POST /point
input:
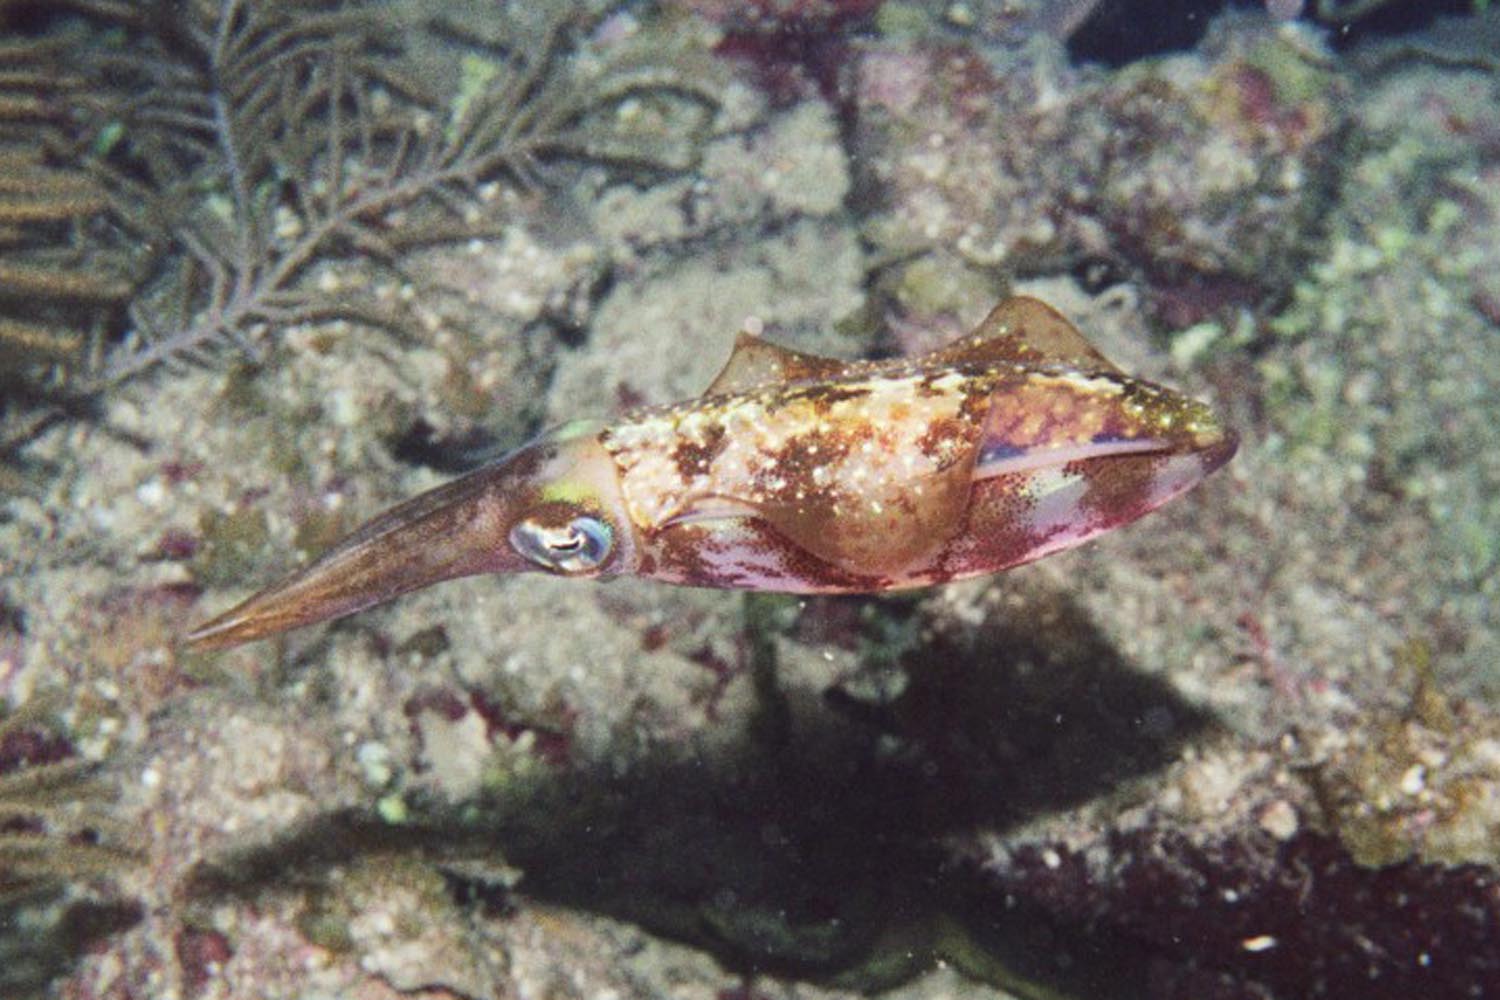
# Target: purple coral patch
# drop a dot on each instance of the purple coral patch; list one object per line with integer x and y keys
{"x": 27, "y": 746}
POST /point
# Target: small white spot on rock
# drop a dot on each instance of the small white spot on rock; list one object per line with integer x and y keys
{"x": 152, "y": 492}
{"x": 1279, "y": 819}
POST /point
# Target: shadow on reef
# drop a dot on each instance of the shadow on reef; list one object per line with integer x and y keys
{"x": 817, "y": 850}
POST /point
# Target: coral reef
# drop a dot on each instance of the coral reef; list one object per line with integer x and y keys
{"x": 1203, "y": 178}
{"x": 1395, "y": 409}
{"x": 1246, "y": 749}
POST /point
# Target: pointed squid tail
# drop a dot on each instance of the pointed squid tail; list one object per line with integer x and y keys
{"x": 456, "y": 530}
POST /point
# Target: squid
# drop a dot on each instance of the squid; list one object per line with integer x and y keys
{"x": 798, "y": 473}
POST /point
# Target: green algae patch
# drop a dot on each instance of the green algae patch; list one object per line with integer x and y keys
{"x": 1419, "y": 784}
{"x": 235, "y": 545}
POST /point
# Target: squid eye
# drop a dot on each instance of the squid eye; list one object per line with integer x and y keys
{"x": 576, "y": 547}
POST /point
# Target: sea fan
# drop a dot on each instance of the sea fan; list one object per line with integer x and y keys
{"x": 55, "y": 856}
{"x": 290, "y": 134}
{"x": 46, "y": 837}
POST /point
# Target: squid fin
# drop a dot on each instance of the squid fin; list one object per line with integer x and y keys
{"x": 756, "y": 362}
{"x": 1023, "y": 330}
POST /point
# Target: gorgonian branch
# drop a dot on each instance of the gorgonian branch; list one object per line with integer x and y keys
{"x": 324, "y": 128}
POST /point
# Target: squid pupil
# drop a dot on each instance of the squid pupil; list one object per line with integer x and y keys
{"x": 588, "y": 537}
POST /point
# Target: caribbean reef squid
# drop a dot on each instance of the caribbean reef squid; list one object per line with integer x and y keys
{"x": 798, "y": 473}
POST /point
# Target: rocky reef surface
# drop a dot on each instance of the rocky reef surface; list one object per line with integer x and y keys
{"x": 1247, "y": 748}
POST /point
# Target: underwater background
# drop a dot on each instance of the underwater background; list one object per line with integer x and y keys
{"x": 267, "y": 268}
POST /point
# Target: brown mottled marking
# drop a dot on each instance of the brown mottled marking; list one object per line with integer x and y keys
{"x": 812, "y": 450}
{"x": 1116, "y": 486}
{"x": 682, "y": 555}
{"x": 942, "y": 436}
{"x": 797, "y": 562}
{"x": 695, "y": 458}
{"x": 823, "y": 397}
{"x": 1044, "y": 413}
{"x": 927, "y": 385}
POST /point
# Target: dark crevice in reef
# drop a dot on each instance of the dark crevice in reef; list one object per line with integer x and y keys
{"x": 1117, "y": 32}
